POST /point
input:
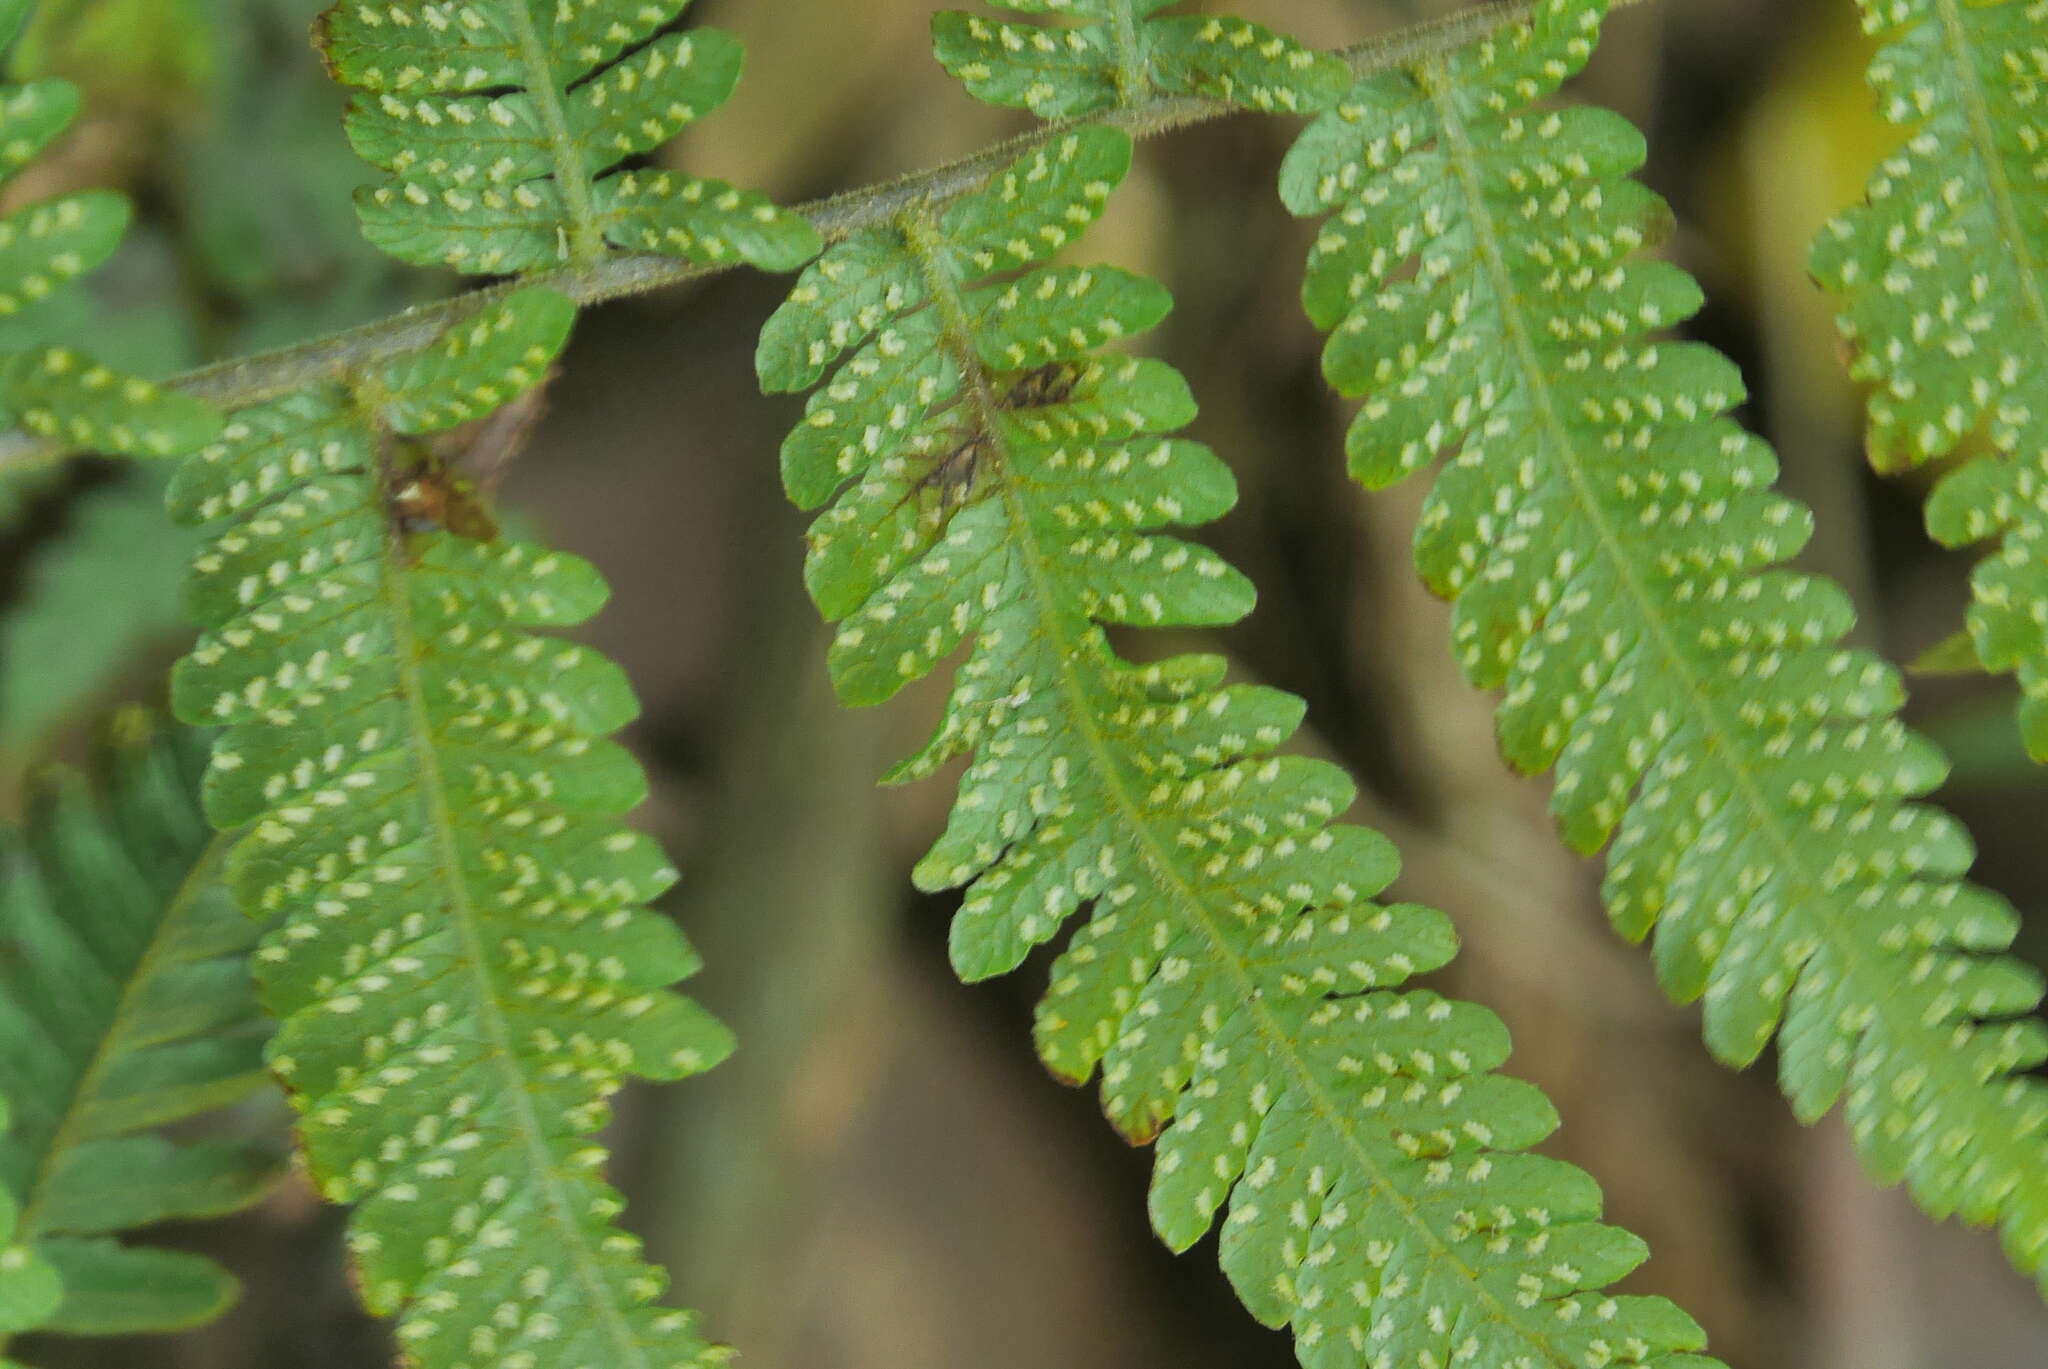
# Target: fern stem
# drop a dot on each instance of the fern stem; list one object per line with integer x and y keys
{"x": 269, "y": 375}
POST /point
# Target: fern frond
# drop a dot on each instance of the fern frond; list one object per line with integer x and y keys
{"x": 1001, "y": 484}
{"x": 465, "y": 968}
{"x": 1122, "y": 51}
{"x": 55, "y": 392}
{"x": 1610, "y": 539}
{"x": 1943, "y": 279}
{"x": 125, "y": 1005}
{"x": 1943, "y": 271}
{"x": 502, "y": 122}
{"x": 29, "y": 1290}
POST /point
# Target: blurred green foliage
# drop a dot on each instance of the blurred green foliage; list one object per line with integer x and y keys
{"x": 213, "y": 113}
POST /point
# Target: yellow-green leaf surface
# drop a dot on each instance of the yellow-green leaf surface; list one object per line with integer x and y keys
{"x": 999, "y": 486}
{"x": 464, "y": 966}
{"x": 1613, "y": 547}
{"x": 503, "y": 127}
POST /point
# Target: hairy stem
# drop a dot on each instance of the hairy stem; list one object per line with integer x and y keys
{"x": 267, "y": 375}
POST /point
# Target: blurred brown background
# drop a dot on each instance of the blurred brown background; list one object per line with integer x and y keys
{"x": 883, "y": 1178}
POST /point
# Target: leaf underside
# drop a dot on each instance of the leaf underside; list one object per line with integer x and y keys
{"x": 1612, "y": 545}
{"x": 464, "y": 965}
{"x": 504, "y": 124}
{"x": 998, "y": 483}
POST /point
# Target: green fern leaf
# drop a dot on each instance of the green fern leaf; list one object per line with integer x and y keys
{"x": 60, "y": 394}
{"x": 1609, "y": 538}
{"x": 1122, "y": 51}
{"x": 1002, "y": 484}
{"x": 29, "y": 1290}
{"x": 465, "y": 968}
{"x": 500, "y": 123}
{"x": 46, "y": 246}
{"x": 1943, "y": 272}
{"x": 128, "y": 1006}
{"x": 1943, "y": 280}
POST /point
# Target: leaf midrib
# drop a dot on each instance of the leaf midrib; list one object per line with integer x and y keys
{"x": 106, "y": 1049}
{"x": 513, "y": 1086}
{"x": 1132, "y": 80}
{"x": 572, "y": 174}
{"x": 958, "y": 329}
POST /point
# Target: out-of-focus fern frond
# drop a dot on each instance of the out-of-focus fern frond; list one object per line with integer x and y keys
{"x": 125, "y": 1004}
{"x": 1943, "y": 271}
{"x": 55, "y": 392}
